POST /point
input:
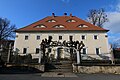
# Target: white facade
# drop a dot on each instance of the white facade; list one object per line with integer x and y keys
{"x": 95, "y": 41}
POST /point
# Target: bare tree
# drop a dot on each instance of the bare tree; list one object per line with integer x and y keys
{"x": 116, "y": 44}
{"x": 97, "y": 17}
{"x": 6, "y": 29}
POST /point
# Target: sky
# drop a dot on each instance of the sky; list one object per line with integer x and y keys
{"x": 24, "y": 12}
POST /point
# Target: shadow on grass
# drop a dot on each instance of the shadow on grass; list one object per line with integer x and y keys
{"x": 19, "y": 70}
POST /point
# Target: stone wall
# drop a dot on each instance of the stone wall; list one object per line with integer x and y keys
{"x": 37, "y": 66}
{"x": 96, "y": 69}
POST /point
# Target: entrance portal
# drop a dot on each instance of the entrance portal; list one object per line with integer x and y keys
{"x": 60, "y": 54}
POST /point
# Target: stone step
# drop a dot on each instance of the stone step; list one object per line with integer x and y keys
{"x": 60, "y": 70}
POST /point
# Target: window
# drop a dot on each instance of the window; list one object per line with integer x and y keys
{"x": 24, "y": 50}
{"x": 97, "y": 51}
{"x": 84, "y": 51}
{"x": 49, "y": 37}
{"x": 26, "y": 37}
{"x": 37, "y": 50}
{"x": 95, "y": 37}
{"x": 60, "y": 37}
{"x": 71, "y": 38}
{"x": 83, "y": 37}
{"x": 38, "y": 37}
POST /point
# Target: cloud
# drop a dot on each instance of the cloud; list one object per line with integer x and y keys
{"x": 114, "y": 22}
{"x": 114, "y": 19}
{"x": 65, "y": 1}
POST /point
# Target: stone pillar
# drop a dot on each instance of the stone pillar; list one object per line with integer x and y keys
{"x": 78, "y": 57}
{"x": 9, "y": 51}
{"x": 40, "y": 56}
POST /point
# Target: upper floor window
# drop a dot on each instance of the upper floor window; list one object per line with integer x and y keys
{"x": 52, "y": 20}
{"x": 26, "y": 37}
{"x": 24, "y": 50}
{"x": 82, "y": 26}
{"x": 58, "y": 26}
{"x": 50, "y": 37}
{"x": 71, "y": 37}
{"x": 71, "y": 20}
{"x": 83, "y": 37}
{"x": 95, "y": 37}
{"x": 97, "y": 51}
{"x": 60, "y": 37}
{"x": 38, "y": 37}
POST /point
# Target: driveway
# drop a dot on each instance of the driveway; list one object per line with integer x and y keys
{"x": 37, "y": 76}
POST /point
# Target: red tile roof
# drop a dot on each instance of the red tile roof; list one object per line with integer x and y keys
{"x": 118, "y": 49}
{"x": 61, "y": 20}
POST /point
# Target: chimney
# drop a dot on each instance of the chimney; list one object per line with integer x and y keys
{"x": 53, "y": 14}
{"x": 70, "y": 15}
{"x": 65, "y": 14}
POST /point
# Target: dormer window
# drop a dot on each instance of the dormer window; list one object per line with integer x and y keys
{"x": 52, "y": 20}
{"x": 71, "y": 20}
{"x": 82, "y": 26}
{"x": 40, "y": 26}
{"x": 58, "y": 26}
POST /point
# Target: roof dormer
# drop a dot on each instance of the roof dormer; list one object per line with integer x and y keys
{"x": 52, "y": 20}
{"x": 58, "y": 26}
{"x": 71, "y": 20}
{"x": 40, "y": 26}
{"x": 82, "y": 26}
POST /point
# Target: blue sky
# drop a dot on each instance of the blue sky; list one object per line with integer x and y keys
{"x": 24, "y": 12}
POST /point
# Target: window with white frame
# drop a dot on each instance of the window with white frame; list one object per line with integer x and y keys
{"x": 24, "y": 50}
{"x": 84, "y": 51}
{"x": 83, "y": 37}
{"x": 60, "y": 37}
{"x": 95, "y": 37}
{"x": 37, "y": 50}
{"x": 97, "y": 51}
{"x": 71, "y": 37}
{"x": 26, "y": 37}
{"x": 38, "y": 37}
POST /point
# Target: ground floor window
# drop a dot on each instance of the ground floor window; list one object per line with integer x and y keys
{"x": 84, "y": 51}
{"x": 24, "y": 50}
{"x": 97, "y": 51}
{"x": 37, "y": 50}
